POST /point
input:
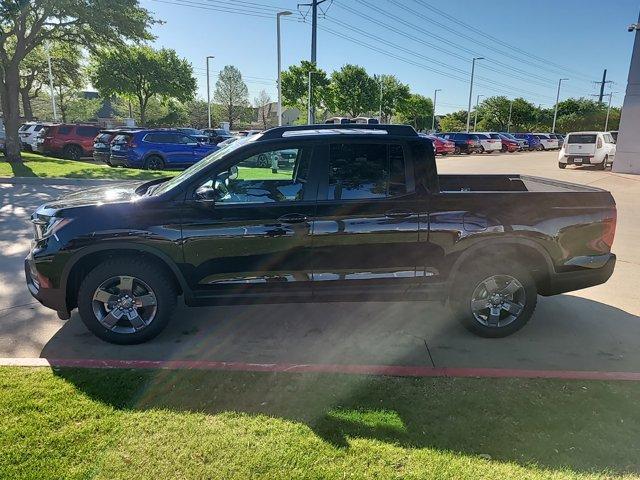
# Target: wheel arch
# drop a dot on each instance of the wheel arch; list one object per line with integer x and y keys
{"x": 87, "y": 259}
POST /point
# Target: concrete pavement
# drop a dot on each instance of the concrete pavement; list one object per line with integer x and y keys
{"x": 593, "y": 329}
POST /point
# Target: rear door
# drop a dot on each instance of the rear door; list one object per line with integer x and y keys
{"x": 578, "y": 144}
{"x": 365, "y": 236}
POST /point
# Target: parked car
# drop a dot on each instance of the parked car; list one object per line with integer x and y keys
{"x": 490, "y": 142}
{"x": 362, "y": 216}
{"x": 228, "y": 141}
{"x": 523, "y": 143}
{"x": 547, "y": 142}
{"x": 441, "y": 146}
{"x": 558, "y": 137}
{"x": 28, "y": 133}
{"x": 533, "y": 140}
{"x": 509, "y": 145}
{"x": 102, "y": 143}
{"x": 248, "y": 133}
{"x": 464, "y": 142}
{"x": 69, "y": 140}
{"x": 587, "y": 148}
{"x": 157, "y": 149}
{"x": 199, "y": 135}
{"x": 217, "y": 135}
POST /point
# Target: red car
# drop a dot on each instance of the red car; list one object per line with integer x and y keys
{"x": 442, "y": 146}
{"x": 508, "y": 144}
{"x": 69, "y": 140}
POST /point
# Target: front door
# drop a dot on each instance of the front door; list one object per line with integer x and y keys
{"x": 365, "y": 235}
{"x": 255, "y": 237}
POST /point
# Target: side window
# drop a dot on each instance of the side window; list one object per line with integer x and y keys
{"x": 184, "y": 139}
{"x": 87, "y": 131}
{"x": 268, "y": 177}
{"x": 64, "y": 129}
{"x": 365, "y": 171}
{"x": 153, "y": 138}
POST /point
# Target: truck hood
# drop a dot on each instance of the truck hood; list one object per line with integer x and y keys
{"x": 104, "y": 195}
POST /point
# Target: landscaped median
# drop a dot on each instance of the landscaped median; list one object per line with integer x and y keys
{"x": 140, "y": 424}
{"x": 34, "y": 165}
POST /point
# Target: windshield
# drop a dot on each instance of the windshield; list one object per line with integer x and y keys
{"x": 202, "y": 164}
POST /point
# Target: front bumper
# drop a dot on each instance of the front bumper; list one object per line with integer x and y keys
{"x": 40, "y": 288}
{"x": 595, "y": 270}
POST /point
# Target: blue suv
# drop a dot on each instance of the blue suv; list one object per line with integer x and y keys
{"x": 534, "y": 140}
{"x": 157, "y": 149}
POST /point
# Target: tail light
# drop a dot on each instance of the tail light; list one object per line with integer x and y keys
{"x": 609, "y": 228}
{"x": 599, "y": 143}
{"x": 471, "y": 142}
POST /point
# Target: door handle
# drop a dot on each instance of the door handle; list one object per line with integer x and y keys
{"x": 398, "y": 214}
{"x": 293, "y": 218}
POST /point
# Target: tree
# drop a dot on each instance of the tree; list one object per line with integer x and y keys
{"x": 263, "y": 105}
{"x": 25, "y": 25}
{"x": 232, "y": 93}
{"x": 197, "y": 112}
{"x": 295, "y": 86}
{"x": 141, "y": 73}
{"x": 417, "y": 110}
{"x": 454, "y": 122}
{"x": 353, "y": 91}
{"x": 394, "y": 96}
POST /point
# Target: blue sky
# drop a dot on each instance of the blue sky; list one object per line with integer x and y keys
{"x": 528, "y": 45}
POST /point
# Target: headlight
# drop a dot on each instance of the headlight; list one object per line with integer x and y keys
{"x": 47, "y": 227}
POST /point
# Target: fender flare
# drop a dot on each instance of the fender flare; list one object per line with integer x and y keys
{"x": 163, "y": 257}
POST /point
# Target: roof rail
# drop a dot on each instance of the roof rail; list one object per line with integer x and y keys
{"x": 302, "y": 130}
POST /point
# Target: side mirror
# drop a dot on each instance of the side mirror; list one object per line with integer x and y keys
{"x": 233, "y": 173}
{"x": 207, "y": 192}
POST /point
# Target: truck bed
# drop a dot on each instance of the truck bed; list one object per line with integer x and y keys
{"x": 507, "y": 183}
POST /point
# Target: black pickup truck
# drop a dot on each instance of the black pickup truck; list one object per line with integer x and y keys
{"x": 359, "y": 213}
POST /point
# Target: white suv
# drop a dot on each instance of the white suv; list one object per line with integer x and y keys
{"x": 547, "y": 142}
{"x": 28, "y": 133}
{"x": 587, "y": 148}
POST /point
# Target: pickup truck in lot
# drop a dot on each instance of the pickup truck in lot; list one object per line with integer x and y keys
{"x": 360, "y": 214}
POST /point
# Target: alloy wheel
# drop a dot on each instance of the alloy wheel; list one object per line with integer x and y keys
{"x": 498, "y": 301}
{"x": 124, "y": 304}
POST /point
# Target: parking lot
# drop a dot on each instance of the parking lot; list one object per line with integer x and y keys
{"x": 594, "y": 329}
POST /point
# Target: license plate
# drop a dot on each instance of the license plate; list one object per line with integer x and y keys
{"x": 99, "y": 145}
{"x": 116, "y": 147}
{"x": 577, "y": 161}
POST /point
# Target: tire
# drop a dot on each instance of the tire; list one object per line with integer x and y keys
{"x": 603, "y": 165}
{"x": 72, "y": 152}
{"x": 151, "y": 284}
{"x": 456, "y": 150}
{"x": 482, "y": 150}
{"x": 263, "y": 161}
{"x": 540, "y": 147}
{"x": 562, "y": 165}
{"x": 154, "y": 162}
{"x": 472, "y": 288}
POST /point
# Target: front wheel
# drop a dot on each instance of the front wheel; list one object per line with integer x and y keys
{"x": 126, "y": 300}
{"x": 494, "y": 300}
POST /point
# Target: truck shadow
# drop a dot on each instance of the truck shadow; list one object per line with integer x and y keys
{"x": 551, "y": 423}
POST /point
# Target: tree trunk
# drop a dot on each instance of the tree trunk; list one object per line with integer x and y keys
{"x": 143, "y": 111}
{"x": 10, "y": 85}
{"x": 230, "y": 112}
{"x": 26, "y": 104}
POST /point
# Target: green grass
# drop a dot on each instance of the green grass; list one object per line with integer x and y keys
{"x": 124, "y": 424}
{"x": 34, "y": 165}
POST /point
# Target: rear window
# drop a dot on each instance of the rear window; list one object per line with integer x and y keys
{"x": 38, "y": 128}
{"x": 104, "y": 137}
{"x": 121, "y": 138}
{"x": 582, "y": 138}
{"x": 24, "y": 128}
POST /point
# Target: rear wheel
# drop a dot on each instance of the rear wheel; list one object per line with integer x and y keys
{"x": 603, "y": 165}
{"x": 456, "y": 150}
{"x": 126, "y": 300}
{"x": 263, "y": 161}
{"x": 494, "y": 300}
{"x": 72, "y": 152}
{"x": 562, "y": 165}
{"x": 154, "y": 162}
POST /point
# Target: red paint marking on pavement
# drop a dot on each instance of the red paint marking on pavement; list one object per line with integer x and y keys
{"x": 392, "y": 370}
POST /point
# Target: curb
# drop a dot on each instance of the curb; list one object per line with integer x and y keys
{"x": 386, "y": 370}
{"x": 61, "y": 181}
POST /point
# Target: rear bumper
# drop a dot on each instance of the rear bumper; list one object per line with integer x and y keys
{"x": 584, "y": 160}
{"x": 585, "y": 277}
{"x": 101, "y": 156}
{"x": 123, "y": 161}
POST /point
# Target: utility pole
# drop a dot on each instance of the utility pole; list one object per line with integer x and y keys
{"x": 309, "y": 108}
{"x": 602, "y": 83}
{"x": 278, "y": 15}
{"x": 53, "y": 92}
{"x": 555, "y": 112}
{"x": 380, "y": 115}
{"x": 509, "y": 121}
{"x": 433, "y": 117}
{"x": 475, "y": 120}
{"x": 473, "y": 68}
{"x": 314, "y": 42}
{"x": 606, "y": 122}
{"x": 208, "y": 93}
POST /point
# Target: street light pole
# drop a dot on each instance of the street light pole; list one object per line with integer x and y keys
{"x": 278, "y": 15}
{"x": 53, "y": 92}
{"x": 309, "y": 112}
{"x": 509, "y": 121}
{"x": 433, "y": 117}
{"x": 475, "y": 120}
{"x": 380, "y": 113}
{"x": 606, "y": 122}
{"x": 473, "y": 68}
{"x": 555, "y": 112}
{"x": 208, "y": 93}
